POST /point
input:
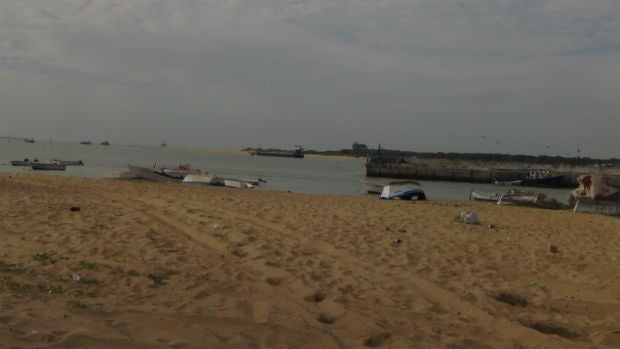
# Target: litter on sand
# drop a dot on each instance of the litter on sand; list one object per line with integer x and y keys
{"x": 470, "y": 217}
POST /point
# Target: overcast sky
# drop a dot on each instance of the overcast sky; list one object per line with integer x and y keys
{"x": 538, "y": 77}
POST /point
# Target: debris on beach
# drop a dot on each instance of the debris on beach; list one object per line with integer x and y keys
{"x": 470, "y": 217}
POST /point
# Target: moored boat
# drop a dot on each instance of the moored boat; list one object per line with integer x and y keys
{"x": 70, "y": 162}
{"x": 535, "y": 178}
{"x": 48, "y": 166}
{"x": 528, "y": 198}
{"x": 24, "y": 162}
{"x": 405, "y": 190}
{"x": 514, "y": 182}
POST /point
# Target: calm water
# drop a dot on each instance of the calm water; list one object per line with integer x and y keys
{"x": 309, "y": 175}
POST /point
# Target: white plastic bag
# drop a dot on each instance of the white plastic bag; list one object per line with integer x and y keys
{"x": 470, "y": 217}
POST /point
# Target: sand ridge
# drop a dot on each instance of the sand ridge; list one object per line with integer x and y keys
{"x": 144, "y": 264}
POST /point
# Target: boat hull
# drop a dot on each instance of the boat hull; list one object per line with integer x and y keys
{"x": 406, "y": 190}
{"x": 483, "y": 196}
{"x": 201, "y": 179}
{"x": 150, "y": 174}
{"x": 42, "y": 166}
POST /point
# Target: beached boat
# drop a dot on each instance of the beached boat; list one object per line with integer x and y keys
{"x": 203, "y": 179}
{"x": 594, "y": 196}
{"x": 180, "y": 171}
{"x": 372, "y": 188}
{"x": 526, "y": 198}
{"x": 593, "y": 188}
{"x": 405, "y": 190}
{"x": 298, "y": 152}
{"x": 152, "y": 175}
{"x": 213, "y": 180}
{"x": 48, "y": 166}
{"x": 477, "y": 195}
{"x": 235, "y": 183}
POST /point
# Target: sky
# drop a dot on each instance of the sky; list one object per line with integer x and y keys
{"x": 535, "y": 77}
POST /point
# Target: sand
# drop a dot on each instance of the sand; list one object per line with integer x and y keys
{"x": 108, "y": 263}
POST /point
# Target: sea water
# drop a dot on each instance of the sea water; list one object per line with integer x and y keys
{"x": 312, "y": 174}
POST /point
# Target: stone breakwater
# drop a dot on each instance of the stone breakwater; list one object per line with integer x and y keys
{"x": 478, "y": 175}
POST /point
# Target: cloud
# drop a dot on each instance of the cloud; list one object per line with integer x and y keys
{"x": 321, "y": 73}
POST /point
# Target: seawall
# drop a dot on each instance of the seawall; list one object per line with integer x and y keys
{"x": 466, "y": 175}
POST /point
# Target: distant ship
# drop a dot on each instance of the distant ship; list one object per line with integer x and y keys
{"x": 298, "y": 152}
{"x": 29, "y": 140}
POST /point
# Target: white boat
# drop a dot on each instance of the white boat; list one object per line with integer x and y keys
{"x": 372, "y": 188}
{"x": 518, "y": 197}
{"x": 593, "y": 188}
{"x": 70, "y": 162}
{"x": 150, "y": 174}
{"x": 405, "y": 190}
{"x": 180, "y": 171}
{"x": 483, "y": 196}
{"x": 213, "y": 180}
{"x": 48, "y": 166}
{"x": 515, "y": 182}
{"x": 203, "y": 179}
{"x": 235, "y": 183}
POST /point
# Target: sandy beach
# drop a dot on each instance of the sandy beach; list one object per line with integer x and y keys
{"x": 108, "y": 263}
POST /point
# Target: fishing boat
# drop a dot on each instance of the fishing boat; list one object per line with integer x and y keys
{"x": 48, "y": 166}
{"x": 542, "y": 178}
{"x": 203, "y": 179}
{"x": 535, "y": 178}
{"x": 405, "y": 190}
{"x": 24, "y": 162}
{"x": 235, "y": 183}
{"x": 513, "y": 182}
{"x": 213, "y": 180}
{"x": 180, "y": 171}
{"x": 593, "y": 188}
{"x": 152, "y": 175}
{"x": 70, "y": 162}
{"x": 483, "y": 196}
{"x": 527, "y": 198}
